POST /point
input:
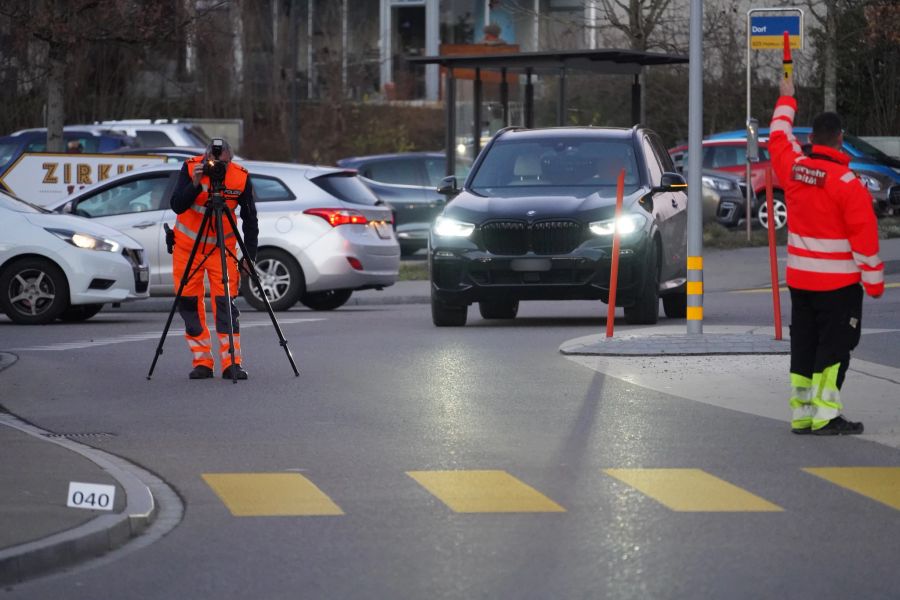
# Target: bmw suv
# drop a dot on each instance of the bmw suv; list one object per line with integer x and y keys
{"x": 534, "y": 220}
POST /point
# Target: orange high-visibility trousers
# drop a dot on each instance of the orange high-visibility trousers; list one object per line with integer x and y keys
{"x": 192, "y": 305}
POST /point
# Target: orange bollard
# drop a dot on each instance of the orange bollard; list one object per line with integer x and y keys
{"x": 614, "y": 266}
{"x": 773, "y": 261}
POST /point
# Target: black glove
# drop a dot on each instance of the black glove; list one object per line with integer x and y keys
{"x": 170, "y": 238}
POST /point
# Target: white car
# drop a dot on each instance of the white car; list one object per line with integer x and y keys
{"x": 322, "y": 232}
{"x": 55, "y": 266}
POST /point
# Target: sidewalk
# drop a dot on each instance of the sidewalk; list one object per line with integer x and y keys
{"x": 39, "y": 534}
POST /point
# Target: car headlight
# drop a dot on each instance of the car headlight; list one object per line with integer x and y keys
{"x": 445, "y": 227}
{"x": 86, "y": 240}
{"x": 627, "y": 225}
{"x": 872, "y": 183}
{"x": 718, "y": 183}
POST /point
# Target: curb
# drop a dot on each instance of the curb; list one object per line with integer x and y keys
{"x": 94, "y": 538}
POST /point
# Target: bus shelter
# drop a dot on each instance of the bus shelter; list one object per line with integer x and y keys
{"x": 507, "y": 67}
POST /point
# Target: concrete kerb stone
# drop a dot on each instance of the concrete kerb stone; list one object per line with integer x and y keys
{"x": 669, "y": 341}
{"x": 97, "y": 536}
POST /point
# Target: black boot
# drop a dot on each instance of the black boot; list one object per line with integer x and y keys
{"x": 201, "y": 372}
{"x": 839, "y": 426}
{"x": 239, "y": 372}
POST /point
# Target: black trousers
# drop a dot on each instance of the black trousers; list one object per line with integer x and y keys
{"x": 825, "y": 327}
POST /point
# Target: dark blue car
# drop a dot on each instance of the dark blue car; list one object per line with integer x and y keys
{"x": 408, "y": 181}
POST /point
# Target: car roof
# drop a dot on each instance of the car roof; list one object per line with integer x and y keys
{"x": 587, "y": 132}
{"x": 392, "y": 155}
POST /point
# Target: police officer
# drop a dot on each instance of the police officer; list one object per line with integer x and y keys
{"x": 832, "y": 248}
{"x": 189, "y": 203}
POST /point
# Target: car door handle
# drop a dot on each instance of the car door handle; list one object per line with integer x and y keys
{"x": 144, "y": 225}
{"x": 674, "y": 203}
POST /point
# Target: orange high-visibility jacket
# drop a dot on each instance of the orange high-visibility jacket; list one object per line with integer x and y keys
{"x": 832, "y": 229}
{"x": 187, "y": 224}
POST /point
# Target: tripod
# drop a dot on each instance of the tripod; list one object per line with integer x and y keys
{"x": 216, "y": 210}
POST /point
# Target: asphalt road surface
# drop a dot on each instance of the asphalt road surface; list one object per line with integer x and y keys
{"x": 408, "y": 461}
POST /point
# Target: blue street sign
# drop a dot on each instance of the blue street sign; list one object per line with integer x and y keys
{"x": 767, "y": 33}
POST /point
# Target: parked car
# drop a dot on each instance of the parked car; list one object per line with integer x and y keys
{"x": 730, "y": 156}
{"x": 65, "y": 267}
{"x": 408, "y": 181}
{"x": 153, "y": 134}
{"x": 535, "y": 217}
{"x": 875, "y": 169}
{"x": 173, "y": 154}
{"x": 322, "y": 233}
{"x": 725, "y": 198}
{"x": 35, "y": 140}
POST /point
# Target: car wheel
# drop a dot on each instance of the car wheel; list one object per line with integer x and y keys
{"x": 81, "y": 312}
{"x": 645, "y": 310}
{"x": 327, "y": 300}
{"x": 281, "y": 278}
{"x": 33, "y": 291}
{"x": 675, "y": 305}
{"x": 499, "y": 309}
{"x": 443, "y": 315}
{"x": 778, "y": 206}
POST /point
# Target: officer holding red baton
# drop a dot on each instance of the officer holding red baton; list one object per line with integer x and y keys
{"x": 832, "y": 259}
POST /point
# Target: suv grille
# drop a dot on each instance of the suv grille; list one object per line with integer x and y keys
{"x": 542, "y": 237}
{"x": 894, "y": 195}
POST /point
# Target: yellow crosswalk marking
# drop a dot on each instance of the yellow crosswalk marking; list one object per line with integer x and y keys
{"x": 692, "y": 490}
{"x": 484, "y": 492}
{"x": 270, "y": 494}
{"x": 878, "y": 483}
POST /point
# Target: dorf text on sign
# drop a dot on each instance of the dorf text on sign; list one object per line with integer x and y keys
{"x": 767, "y": 33}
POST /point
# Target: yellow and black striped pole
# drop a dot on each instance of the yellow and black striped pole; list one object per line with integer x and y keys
{"x": 694, "y": 290}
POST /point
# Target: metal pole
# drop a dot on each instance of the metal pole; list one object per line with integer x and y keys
{"x": 561, "y": 107}
{"x": 294, "y": 136}
{"x": 749, "y": 192}
{"x": 476, "y": 115}
{"x": 695, "y": 189}
{"x": 450, "y": 107}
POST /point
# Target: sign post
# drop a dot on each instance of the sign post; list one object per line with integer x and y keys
{"x": 767, "y": 32}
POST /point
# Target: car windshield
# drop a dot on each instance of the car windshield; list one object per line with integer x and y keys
{"x": 18, "y": 205}
{"x": 7, "y": 152}
{"x": 866, "y": 148}
{"x": 556, "y": 167}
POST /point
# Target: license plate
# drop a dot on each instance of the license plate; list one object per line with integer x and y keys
{"x": 530, "y": 264}
{"x": 384, "y": 230}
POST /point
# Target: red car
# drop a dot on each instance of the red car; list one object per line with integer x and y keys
{"x": 731, "y": 156}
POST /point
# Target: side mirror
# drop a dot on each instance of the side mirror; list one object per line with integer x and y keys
{"x": 448, "y": 186}
{"x": 752, "y": 140}
{"x": 670, "y": 182}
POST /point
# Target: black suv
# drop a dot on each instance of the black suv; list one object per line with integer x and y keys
{"x": 535, "y": 217}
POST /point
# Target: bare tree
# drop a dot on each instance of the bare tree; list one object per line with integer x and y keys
{"x": 65, "y": 29}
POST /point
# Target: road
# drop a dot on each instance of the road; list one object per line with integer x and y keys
{"x": 392, "y": 420}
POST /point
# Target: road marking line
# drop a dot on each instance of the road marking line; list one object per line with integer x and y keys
{"x": 881, "y": 484}
{"x": 138, "y": 337}
{"x": 486, "y": 491}
{"x": 270, "y": 495}
{"x": 692, "y": 490}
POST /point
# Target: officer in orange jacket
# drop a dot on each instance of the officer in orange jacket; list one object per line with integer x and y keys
{"x": 832, "y": 248}
{"x": 189, "y": 203}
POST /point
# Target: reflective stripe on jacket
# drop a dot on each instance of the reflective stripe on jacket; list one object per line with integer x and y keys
{"x": 832, "y": 229}
{"x": 187, "y": 224}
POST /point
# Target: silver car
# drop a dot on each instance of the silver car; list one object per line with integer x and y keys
{"x": 322, "y": 233}
{"x": 56, "y": 266}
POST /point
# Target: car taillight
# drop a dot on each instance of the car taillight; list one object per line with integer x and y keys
{"x": 338, "y": 216}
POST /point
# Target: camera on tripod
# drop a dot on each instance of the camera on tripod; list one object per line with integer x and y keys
{"x": 215, "y": 167}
